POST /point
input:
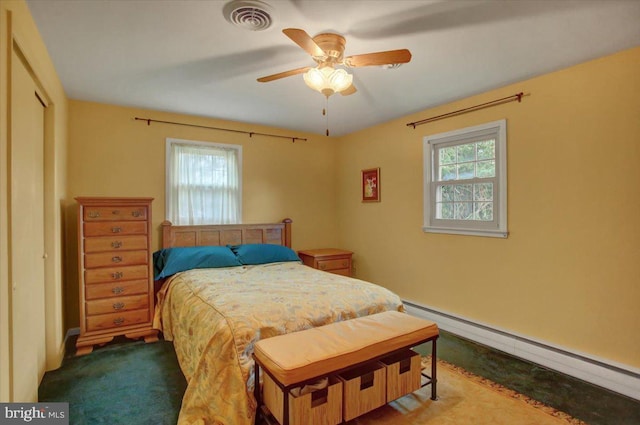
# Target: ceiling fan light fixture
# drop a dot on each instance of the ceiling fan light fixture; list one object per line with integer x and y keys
{"x": 328, "y": 80}
{"x": 253, "y": 15}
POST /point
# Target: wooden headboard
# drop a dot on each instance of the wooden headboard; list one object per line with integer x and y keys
{"x": 226, "y": 234}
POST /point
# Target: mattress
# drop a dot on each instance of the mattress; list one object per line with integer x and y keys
{"x": 215, "y": 316}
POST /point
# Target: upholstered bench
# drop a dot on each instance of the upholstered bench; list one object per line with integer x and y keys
{"x": 298, "y": 358}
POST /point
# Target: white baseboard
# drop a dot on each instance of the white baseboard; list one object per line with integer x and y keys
{"x": 619, "y": 378}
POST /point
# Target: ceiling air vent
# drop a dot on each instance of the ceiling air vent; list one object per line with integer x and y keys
{"x": 253, "y": 15}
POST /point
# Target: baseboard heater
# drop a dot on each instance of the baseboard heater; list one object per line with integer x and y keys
{"x": 619, "y": 378}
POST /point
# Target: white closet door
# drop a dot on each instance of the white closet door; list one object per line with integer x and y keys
{"x": 27, "y": 303}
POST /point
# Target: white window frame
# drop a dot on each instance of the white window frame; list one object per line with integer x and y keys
{"x": 169, "y": 170}
{"x": 495, "y": 228}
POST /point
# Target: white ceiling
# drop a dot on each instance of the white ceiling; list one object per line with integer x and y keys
{"x": 183, "y": 56}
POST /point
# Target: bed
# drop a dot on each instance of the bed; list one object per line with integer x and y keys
{"x": 216, "y": 311}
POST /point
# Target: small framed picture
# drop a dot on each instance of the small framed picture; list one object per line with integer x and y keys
{"x": 371, "y": 185}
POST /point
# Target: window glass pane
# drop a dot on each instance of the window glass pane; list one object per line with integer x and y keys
{"x": 463, "y": 211}
{"x": 445, "y": 193}
{"x": 483, "y": 192}
{"x": 487, "y": 149}
{"x": 462, "y": 192}
{"x": 467, "y": 152}
{"x": 204, "y": 185}
{"x": 466, "y": 171}
{"x": 483, "y": 211}
{"x": 486, "y": 169}
{"x": 447, "y": 172}
{"x": 444, "y": 210}
{"x": 448, "y": 155}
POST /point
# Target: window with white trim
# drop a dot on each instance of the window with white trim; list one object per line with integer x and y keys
{"x": 204, "y": 182}
{"x": 465, "y": 181}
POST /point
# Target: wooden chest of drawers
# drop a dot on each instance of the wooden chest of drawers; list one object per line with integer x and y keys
{"x": 331, "y": 260}
{"x": 115, "y": 271}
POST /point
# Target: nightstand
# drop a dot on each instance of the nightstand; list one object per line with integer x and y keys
{"x": 330, "y": 260}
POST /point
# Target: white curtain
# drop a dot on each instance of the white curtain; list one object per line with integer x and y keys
{"x": 204, "y": 185}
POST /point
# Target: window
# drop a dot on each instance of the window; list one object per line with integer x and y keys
{"x": 465, "y": 181}
{"x": 204, "y": 184}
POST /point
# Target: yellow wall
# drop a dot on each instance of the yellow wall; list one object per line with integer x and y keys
{"x": 18, "y": 32}
{"x": 111, "y": 154}
{"x": 569, "y": 272}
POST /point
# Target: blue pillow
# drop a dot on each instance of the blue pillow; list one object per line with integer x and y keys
{"x": 263, "y": 253}
{"x": 169, "y": 261}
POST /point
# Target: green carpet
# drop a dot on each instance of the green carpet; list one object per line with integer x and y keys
{"x": 133, "y": 383}
{"x": 129, "y": 383}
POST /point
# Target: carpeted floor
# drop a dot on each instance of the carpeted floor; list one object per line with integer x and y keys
{"x": 590, "y": 403}
{"x": 126, "y": 383}
{"x": 135, "y": 383}
{"x": 464, "y": 398}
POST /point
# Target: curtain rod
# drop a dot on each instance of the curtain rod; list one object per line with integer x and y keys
{"x": 250, "y": 133}
{"x": 517, "y": 96}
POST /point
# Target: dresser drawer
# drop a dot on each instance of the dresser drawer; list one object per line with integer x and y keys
{"x": 111, "y": 274}
{"x": 112, "y": 305}
{"x": 121, "y": 243}
{"x": 116, "y": 320}
{"x": 114, "y": 213}
{"x": 106, "y": 228}
{"x": 119, "y": 258}
{"x": 116, "y": 289}
{"x": 342, "y": 272}
{"x": 330, "y": 265}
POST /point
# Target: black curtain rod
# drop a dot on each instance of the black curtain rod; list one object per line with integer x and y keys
{"x": 250, "y": 133}
{"x": 517, "y": 96}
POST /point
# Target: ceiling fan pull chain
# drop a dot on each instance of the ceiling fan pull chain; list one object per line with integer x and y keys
{"x": 325, "y": 112}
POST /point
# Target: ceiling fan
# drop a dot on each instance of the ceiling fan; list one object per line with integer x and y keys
{"x": 327, "y": 50}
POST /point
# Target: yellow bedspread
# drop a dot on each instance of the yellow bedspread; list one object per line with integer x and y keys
{"x": 214, "y": 316}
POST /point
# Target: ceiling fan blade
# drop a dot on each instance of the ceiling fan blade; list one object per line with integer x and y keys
{"x": 379, "y": 58}
{"x": 304, "y": 40}
{"x": 283, "y": 74}
{"x": 349, "y": 90}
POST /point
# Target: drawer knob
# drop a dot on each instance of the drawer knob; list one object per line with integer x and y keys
{"x": 116, "y": 229}
{"x": 118, "y": 290}
{"x": 115, "y": 212}
{"x": 116, "y": 259}
{"x": 94, "y": 214}
{"x": 118, "y": 306}
{"x": 345, "y": 263}
{"x": 117, "y": 275}
{"x": 323, "y": 266}
{"x": 136, "y": 213}
{"x": 116, "y": 244}
{"x": 118, "y": 321}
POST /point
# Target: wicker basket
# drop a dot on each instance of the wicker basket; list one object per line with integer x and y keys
{"x": 322, "y": 407}
{"x": 403, "y": 374}
{"x": 364, "y": 389}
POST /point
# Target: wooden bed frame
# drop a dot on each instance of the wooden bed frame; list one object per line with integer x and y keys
{"x": 226, "y": 234}
{"x": 223, "y": 234}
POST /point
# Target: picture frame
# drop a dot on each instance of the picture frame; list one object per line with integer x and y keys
{"x": 371, "y": 185}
